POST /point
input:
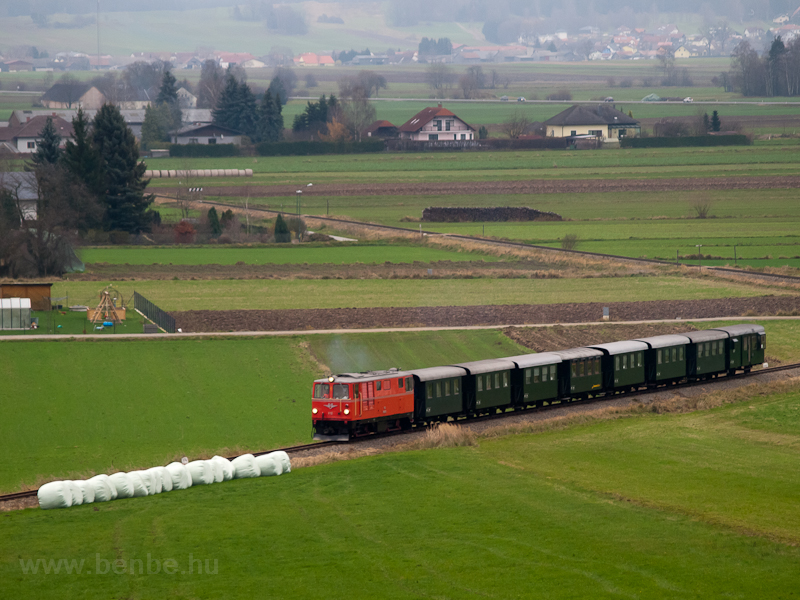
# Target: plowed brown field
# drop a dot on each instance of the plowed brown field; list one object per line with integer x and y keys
{"x": 533, "y": 186}
{"x": 456, "y": 316}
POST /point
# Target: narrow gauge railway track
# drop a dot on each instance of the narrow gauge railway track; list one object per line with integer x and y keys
{"x": 469, "y": 238}
{"x": 489, "y": 417}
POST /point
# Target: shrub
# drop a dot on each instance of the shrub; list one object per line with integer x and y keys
{"x": 701, "y": 207}
{"x": 569, "y": 241}
{"x": 184, "y": 233}
{"x": 560, "y": 95}
{"x": 675, "y": 142}
{"x": 301, "y": 148}
{"x": 281, "y": 232}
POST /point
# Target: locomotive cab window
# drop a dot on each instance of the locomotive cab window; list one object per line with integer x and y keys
{"x": 341, "y": 391}
{"x": 378, "y": 385}
{"x": 321, "y": 390}
{"x": 409, "y": 384}
{"x": 400, "y": 383}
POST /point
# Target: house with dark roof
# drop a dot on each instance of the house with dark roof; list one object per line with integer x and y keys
{"x": 207, "y": 134}
{"x": 24, "y": 137}
{"x": 599, "y": 120}
{"x": 73, "y": 95}
{"x": 381, "y": 129}
{"x": 434, "y": 124}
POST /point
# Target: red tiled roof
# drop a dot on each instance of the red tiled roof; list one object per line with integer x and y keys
{"x": 425, "y": 116}
{"x": 379, "y": 125}
{"x": 33, "y": 128}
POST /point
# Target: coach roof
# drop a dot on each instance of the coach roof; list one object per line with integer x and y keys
{"x": 433, "y": 373}
{"x": 620, "y": 347}
{"x": 524, "y": 361}
{"x": 665, "y": 341}
{"x": 487, "y": 366}
{"x": 742, "y": 329}
{"x": 576, "y": 353}
{"x": 709, "y": 335}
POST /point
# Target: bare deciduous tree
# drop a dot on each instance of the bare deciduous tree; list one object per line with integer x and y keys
{"x": 516, "y": 125}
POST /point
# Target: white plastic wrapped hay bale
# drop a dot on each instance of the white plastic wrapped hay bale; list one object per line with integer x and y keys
{"x": 218, "y": 470}
{"x": 181, "y": 477}
{"x": 56, "y": 494}
{"x": 87, "y": 491}
{"x": 202, "y": 472}
{"x": 283, "y": 459}
{"x": 104, "y": 489}
{"x": 149, "y": 481}
{"x": 77, "y": 493}
{"x": 245, "y": 466}
{"x": 164, "y": 476}
{"x": 268, "y": 465}
{"x": 227, "y": 468}
{"x": 123, "y": 484}
{"x": 139, "y": 486}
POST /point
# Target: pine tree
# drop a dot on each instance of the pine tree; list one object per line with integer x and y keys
{"x": 168, "y": 96}
{"x": 83, "y": 163}
{"x": 48, "y": 148}
{"x": 270, "y": 119}
{"x": 237, "y": 108}
{"x": 225, "y": 112}
{"x": 706, "y": 123}
{"x": 282, "y": 233}
{"x": 157, "y": 125}
{"x": 278, "y": 90}
{"x": 715, "y": 122}
{"x": 213, "y": 222}
{"x": 247, "y": 109}
{"x": 124, "y": 198}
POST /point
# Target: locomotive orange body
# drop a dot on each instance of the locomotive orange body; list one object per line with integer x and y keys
{"x": 353, "y": 404}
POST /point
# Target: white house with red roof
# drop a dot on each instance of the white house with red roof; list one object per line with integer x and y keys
{"x": 436, "y": 124}
{"x": 310, "y": 59}
{"x": 23, "y": 138}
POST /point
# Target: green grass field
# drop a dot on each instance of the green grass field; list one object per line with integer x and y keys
{"x": 688, "y": 506}
{"x": 74, "y": 323}
{"x": 361, "y": 293}
{"x": 206, "y": 255}
{"x": 107, "y": 406}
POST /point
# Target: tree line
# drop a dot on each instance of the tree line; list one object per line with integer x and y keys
{"x": 776, "y": 73}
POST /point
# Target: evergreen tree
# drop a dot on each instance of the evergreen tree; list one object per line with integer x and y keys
{"x": 715, "y": 122}
{"x": 124, "y": 198}
{"x": 83, "y": 163}
{"x": 706, "y": 123}
{"x": 247, "y": 111}
{"x": 168, "y": 96}
{"x": 48, "y": 148}
{"x": 278, "y": 90}
{"x": 282, "y": 233}
{"x": 158, "y": 122}
{"x": 213, "y": 222}
{"x": 237, "y": 108}
{"x": 225, "y": 112}
{"x": 270, "y": 119}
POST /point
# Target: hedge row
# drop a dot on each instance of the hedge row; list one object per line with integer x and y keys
{"x": 204, "y": 150}
{"x": 309, "y": 148}
{"x": 676, "y": 142}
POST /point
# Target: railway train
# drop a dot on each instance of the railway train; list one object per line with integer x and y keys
{"x": 348, "y": 405}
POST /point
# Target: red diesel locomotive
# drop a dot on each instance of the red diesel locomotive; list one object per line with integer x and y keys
{"x": 353, "y": 404}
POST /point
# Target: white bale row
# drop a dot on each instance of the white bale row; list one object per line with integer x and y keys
{"x": 175, "y": 476}
{"x": 180, "y": 173}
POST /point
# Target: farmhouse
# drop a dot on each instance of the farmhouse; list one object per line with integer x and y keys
{"x": 73, "y": 95}
{"x": 434, "y": 124}
{"x": 381, "y": 129}
{"x": 601, "y": 120}
{"x": 207, "y": 134}
{"x": 24, "y": 137}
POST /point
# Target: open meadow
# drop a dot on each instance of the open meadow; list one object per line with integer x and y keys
{"x": 636, "y": 503}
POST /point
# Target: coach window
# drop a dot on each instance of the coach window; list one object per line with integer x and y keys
{"x": 713, "y": 348}
{"x": 340, "y": 391}
{"x": 552, "y": 372}
{"x": 535, "y": 376}
{"x": 455, "y": 387}
{"x": 480, "y": 383}
{"x": 528, "y": 377}
{"x": 639, "y": 358}
{"x": 321, "y": 390}
{"x": 581, "y": 368}
{"x": 763, "y": 341}
{"x": 497, "y": 381}
{"x": 574, "y": 369}
{"x": 659, "y": 353}
{"x": 699, "y": 350}
{"x": 438, "y": 389}
{"x": 616, "y": 363}
{"x": 488, "y": 382}
{"x": 505, "y": 378}
{"x": 624, "y": 361}
{"x": 447, "y": 388}
{"x": 429, "y": 390}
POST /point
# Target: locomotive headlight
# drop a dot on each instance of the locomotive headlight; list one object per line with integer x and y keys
{"x": 347, "y": 411}
{"x": 314, "y": 411}
{"x": 331, "y": 378}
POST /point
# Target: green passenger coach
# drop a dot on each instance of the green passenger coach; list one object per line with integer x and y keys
{"x": 746, "y": 346}
{"x": 706, "y": 355}
{"x": 438, "y": 392}
{"x": 665, "y": 358}
{"x": 487, "y": 384}
{"x": 535, "y": 379}
{"x": 579, "y": 372}
{"x": 623, "y": 364}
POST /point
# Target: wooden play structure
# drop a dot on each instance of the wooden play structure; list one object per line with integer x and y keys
{"x": 107, "y": 310}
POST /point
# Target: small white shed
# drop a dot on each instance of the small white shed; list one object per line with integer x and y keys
{"x": 15, "y": 313}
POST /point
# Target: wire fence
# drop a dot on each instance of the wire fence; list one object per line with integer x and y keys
{"x": 152, "y": 312}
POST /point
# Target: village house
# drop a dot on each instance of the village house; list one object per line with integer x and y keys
{"x": 73, "y": 95}
{"x": 207, "y": 134}
{"x": 600, "y": 120}
{"x": 434, "y": 124}
{"x": 381, "y": 129}
{"x": 23, "y": 138}
{"x": 310, "y": 59}
{"x": 186, "y": 99}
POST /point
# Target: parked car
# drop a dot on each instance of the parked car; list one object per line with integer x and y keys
{"x": 608, "y": 99}
{"x": 521, "y": 99}
{"x": 688, "y": 99}
{"x": 503, "y": 98}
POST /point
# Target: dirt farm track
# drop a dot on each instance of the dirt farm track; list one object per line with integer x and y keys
{"x": 459, "y": 316}
{"x": 533, "y": 186}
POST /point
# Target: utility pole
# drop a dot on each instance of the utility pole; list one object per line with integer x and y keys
{"x": 97, "y": 18}
{"x": 699, "y": 256}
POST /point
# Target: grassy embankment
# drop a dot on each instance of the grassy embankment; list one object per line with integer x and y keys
{"x": 362, "y": 293}
{"x": 656, "y": 505}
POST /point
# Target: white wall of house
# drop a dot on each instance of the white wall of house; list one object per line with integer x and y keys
{"x": 441, "y": 129}
{"x": 606, "y": 132}
{"x": 26, "y": 145}
{"x": 195, "y": 139}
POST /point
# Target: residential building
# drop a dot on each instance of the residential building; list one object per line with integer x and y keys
{"x": 207, "y": 134}
{"x": 24, "y": 137}
{"x": 73, "y": 95}
{"x": 381, "y": 129}
{"x": 186, "y": 99}
{"x": 436, "y": 124}
{"x": 599, "y": 120}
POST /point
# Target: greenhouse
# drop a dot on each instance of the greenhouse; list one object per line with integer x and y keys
{"x": 15, "y": 313}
